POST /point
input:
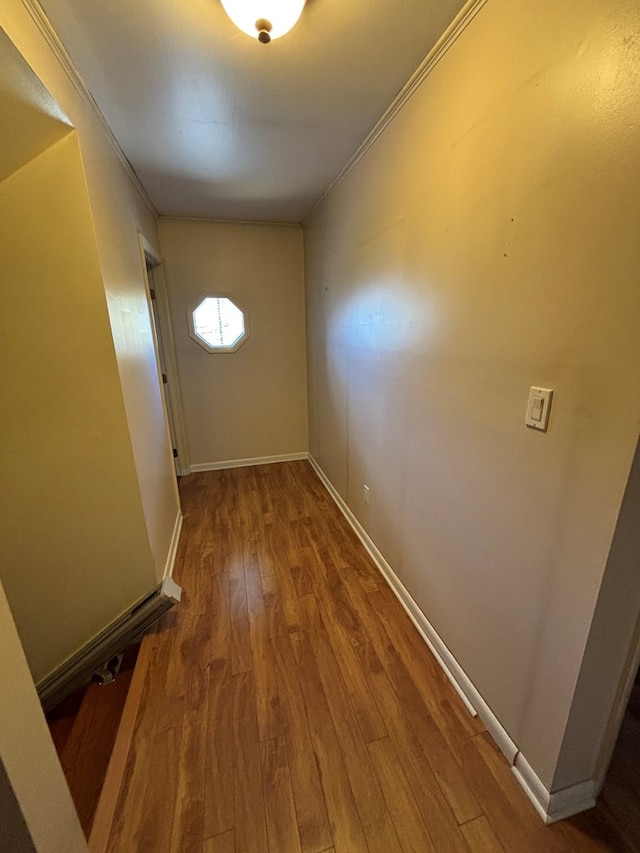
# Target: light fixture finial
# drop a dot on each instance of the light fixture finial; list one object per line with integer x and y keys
{"x": 264, "y": 30}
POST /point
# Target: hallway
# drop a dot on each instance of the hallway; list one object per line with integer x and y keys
{"x": 290, "y": 704}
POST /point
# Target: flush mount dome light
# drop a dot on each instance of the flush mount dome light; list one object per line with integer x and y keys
{"x": 217, "y": 324}
{"x": 264, "y": 19}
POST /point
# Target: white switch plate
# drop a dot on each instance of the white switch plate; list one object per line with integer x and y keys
{"x": 365, "y": 494}
{"x": 538, "y": 408}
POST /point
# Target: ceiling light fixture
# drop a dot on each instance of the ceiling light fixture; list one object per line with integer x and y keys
{"x": 264, "y": 19}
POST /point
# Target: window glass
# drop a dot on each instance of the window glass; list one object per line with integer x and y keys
{"x": 218, "y": 323}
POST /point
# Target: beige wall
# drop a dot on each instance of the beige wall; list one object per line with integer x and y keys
{"x": 75, "y": 553}
{"x": 90, "y": 500}
{"x": 251, "y": 403}
{"x": 487, "y": 242}
{"x": 119, "y": 214}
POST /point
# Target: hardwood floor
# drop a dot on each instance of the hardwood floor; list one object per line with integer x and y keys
{"x": 83, "y": 728}
{"x": 291, "y": 707}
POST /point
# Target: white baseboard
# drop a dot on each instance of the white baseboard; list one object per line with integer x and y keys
{"x": 557, "y": 805}
{"x": 456, "y": 675}
{"x": 173, "y": 547}
{"x": 550, "y": 806}
{"x": 245, "y": 463}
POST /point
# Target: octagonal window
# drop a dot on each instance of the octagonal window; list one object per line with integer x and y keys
{"x": 218, "y": 324}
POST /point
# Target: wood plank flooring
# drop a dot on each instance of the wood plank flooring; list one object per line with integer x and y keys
{"x": 291, "y": 706}
{"x": 83, "y": 728}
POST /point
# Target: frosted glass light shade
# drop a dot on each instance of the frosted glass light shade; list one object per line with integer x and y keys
{"x": 281, "y": 14}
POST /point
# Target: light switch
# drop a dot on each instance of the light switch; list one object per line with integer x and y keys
{"x": 538, "y": 408}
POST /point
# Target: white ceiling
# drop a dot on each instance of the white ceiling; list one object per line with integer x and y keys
{"x": 217, "y": 125}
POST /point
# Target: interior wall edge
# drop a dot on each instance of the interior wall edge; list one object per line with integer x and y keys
{"x": 51, "y": 37}
{"x": 27, "y": 751}
{"x": 14, "y": 826}
{"x": 610, "y": 661}
{"x": 557, "y": 805}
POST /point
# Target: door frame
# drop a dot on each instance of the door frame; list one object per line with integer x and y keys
{"x": 162, "y": 317}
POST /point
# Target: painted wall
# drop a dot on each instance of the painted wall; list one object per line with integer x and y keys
{"x": 119, "y": 214}
{"x": 74, "y": 548}
{"x": 90, "y": 500}
{"x": 251, "y": 403}
{"x": 485, "y": 243}
{"x": 37, "y": 809}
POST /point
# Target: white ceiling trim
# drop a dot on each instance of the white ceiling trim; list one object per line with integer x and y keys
{"x": 444, "y": 43}
{"x": 44, "y": 25}
{"x": 223, "y": 221}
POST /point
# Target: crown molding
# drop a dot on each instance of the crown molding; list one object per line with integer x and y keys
{"x": 51, "y": 37}
{"x": 444, "y": 43}
{"x": 222, "y": 221}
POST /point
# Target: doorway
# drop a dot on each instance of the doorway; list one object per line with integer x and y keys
{"x": 166, "y": 363}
